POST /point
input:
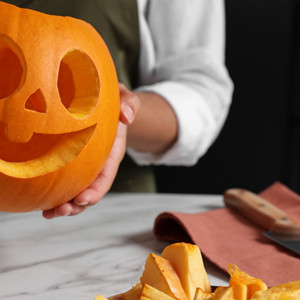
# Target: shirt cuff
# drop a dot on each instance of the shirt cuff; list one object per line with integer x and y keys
{"x": 197, "y": 127}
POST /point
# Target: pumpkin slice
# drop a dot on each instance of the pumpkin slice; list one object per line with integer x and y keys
{"x": 244, "y": 285}
{"x": 240, "y": 291}
{"x": 100, "y": 297}
{"x": 187, "y": 261}
{"x": 223, "y": 293}
{"x": 134, "y": 293}
{"x": 151, "y": 293}
{"x": 201, "y": 295}
{"x": 286, "y": 291}
{"x": 160, "y": 274}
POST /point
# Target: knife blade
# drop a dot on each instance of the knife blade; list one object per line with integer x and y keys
{"x": 281, "y": 228}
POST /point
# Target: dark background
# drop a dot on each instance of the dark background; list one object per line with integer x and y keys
{"x": 260, "y": 142}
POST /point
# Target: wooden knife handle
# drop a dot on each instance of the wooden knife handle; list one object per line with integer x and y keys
{"x": 261, "y": 212}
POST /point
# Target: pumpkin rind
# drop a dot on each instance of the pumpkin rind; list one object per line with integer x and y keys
{"x": 64, "y": 96}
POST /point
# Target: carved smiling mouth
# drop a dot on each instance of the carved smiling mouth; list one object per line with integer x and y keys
{"x": 42, "y": 154}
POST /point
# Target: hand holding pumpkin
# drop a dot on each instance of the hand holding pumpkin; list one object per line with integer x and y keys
{"x": 129, "y": 106}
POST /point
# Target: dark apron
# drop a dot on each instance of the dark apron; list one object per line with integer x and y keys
{"x": 117, "y": 23}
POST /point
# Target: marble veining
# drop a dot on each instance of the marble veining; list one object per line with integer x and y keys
{"x": 101, "y": 251}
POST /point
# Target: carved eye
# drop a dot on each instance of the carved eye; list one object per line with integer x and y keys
{"x": 78, "y": 83}
{"x": 11, "y": 67}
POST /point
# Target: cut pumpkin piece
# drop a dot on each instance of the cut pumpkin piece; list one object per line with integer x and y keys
{"x": 256, "y": 286}
{"x": 240, "y": 291}
{"x": 134, "y": 293}
{"x": 286, "y": 291}
{"x": 151, "y": 293}
{"x": 223, "y": 293}
{"x": 244, "y": 285}
{"x": 187, "y": 261}
{"x": 100, "y": 297}
{"x": 160, "y": 274}
{"x": 201, "y": 295}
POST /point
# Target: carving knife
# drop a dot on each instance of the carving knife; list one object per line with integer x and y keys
{"x": 281, "y": 228}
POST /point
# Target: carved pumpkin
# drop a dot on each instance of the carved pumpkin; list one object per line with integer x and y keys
{"x": 59, "y": 108}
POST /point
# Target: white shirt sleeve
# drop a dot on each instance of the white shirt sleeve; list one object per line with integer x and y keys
{"x": 182, "y": 59}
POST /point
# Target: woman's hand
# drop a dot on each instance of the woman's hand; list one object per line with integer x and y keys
{"x": 129, "y": 106}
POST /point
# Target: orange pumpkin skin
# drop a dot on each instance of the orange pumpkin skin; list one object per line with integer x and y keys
{"x": 59, "y": 108}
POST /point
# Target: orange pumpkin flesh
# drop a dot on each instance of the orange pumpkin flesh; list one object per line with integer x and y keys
{"x": 59, "y": 108}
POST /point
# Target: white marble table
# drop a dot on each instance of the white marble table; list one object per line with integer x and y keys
{"x": 101, "y": 251}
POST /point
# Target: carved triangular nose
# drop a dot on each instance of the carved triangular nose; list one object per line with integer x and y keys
{"x": 36, "y": 102}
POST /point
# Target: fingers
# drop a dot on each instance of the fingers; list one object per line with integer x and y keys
{"x": 79, "y": 204}
{"x": 94, "y": 193}
{"x": 130, "y": 105}
{"x": 67, "y": 209}
{"x": 100, "y": 186}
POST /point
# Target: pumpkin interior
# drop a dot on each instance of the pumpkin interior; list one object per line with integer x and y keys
{"x": 78, "y": 86}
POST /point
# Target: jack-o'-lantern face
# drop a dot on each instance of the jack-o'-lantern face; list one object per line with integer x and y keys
{"x": 59, "y": 108}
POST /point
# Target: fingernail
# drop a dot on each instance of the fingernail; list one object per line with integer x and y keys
{"x": 128, "y": 112}
{"x": 83, "y": 203}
